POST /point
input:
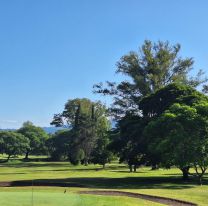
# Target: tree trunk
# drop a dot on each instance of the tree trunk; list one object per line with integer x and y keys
{"x": 103, "y": 166}
{"x": 200, "y": 180}
{"x": 130, "y": 168}
{"x": 8, "y": 158}
{"x": 200, "y": 175}
{"x": 85, "y": 162}
{"x": 135, "y": 168}
{"x": 155, "y": 167}
{"x": 185, "y": 171}
{"x": 26, "y": 155}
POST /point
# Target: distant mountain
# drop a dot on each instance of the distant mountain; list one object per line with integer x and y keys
{"x": 49, "y": 130}
{"x": 7, "y": 129}
{"x": 52, "y": 130}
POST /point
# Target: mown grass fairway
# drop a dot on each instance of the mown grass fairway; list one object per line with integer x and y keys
{"x": 50, "y": 198}
{"x": 166, "y": 183}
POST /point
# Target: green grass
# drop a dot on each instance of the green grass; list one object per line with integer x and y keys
{"x": 46, "y": 198}
{"x": 165, "y": 183}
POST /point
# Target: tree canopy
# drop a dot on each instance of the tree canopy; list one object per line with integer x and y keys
{"x": 12, "y": 143}
{"x": 155, "y": 65}
{"x": 88, "y": 122}
{"x": 183, "y": 139}
{"x": 37, "y": 138}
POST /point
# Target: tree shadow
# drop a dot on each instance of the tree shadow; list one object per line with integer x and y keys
{"x": 126, "y": 171}
{"x": 113, "y": 183}
{"x": 32, "y": 164}
{"x": 13, "y": 173}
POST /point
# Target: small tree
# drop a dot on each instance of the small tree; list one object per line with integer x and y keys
{"x": 13, "y": 143}
{"x": 127, "y": 143}
{"x": 76, "y": 155}
{"x": 37, "y": 138}
{"x": 58, "y": 144}
{"x": 101, "y": 154}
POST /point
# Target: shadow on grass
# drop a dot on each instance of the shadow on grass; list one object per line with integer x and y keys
{"x": 127, "y": 171}
{"x": 71, "y": 170}
{"x": 61, "y": 164}
{"x": 32, "y": 164}
{"x": 13, "y": 173}
{"x": 113, "y": 183}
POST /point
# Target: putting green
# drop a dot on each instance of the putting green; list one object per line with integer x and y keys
{"x": 66, "y": 199}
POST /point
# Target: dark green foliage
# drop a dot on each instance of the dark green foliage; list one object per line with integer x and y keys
{"x": 76, "y": 155}
{"x": 58, "y": 145}
{"x": 179, "y": 136}
{"x": 156, "y": 103}
{"x": 88, "y": 123}
{"x": 37, "y": 138}
{"x": 13, "y": 143}
{"x": 128, "y": 142}
{"x": 101, "y": 154}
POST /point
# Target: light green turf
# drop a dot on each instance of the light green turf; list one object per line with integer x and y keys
{"x": 66, "y": 199}
{"x": 165, "y": 183}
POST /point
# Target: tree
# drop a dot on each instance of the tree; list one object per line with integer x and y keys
{"x": 101, "y": 155}
{"x": 127, "y": 142}
{"x": 83, "y": 117}
{"x": 154, "y": 105}
{"x": 153, "y": 67}
{"x": 183, "y": 141}
{"x": 200, "y": 142}
{"x": 13, "y": 143}
{"x": 58, "y": 144}
{"x": 37, "y": 138}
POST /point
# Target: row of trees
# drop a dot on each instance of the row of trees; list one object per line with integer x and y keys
{"x": 84, "y": 140}
{"x": 29, "y": 139}
{"x": 161, "y": 117}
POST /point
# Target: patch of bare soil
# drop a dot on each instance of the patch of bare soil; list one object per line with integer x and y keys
{"x": 161, "y": 200}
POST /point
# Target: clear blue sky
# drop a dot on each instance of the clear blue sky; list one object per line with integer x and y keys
{"x": 53, "y": 50}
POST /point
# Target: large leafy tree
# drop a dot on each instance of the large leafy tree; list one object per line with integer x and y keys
{"x": 37, "y": 138}
{"x": 153, "y": 67}
{"x": 183, "y": 140}
{"x": 13, "y": 143}
{"x": 154, "y": 105}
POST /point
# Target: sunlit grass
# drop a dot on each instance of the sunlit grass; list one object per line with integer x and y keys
{"x": 46, "y": 198}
